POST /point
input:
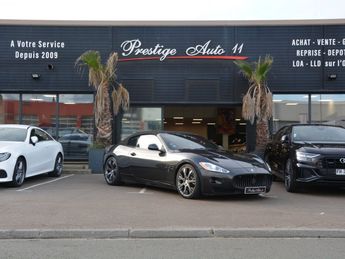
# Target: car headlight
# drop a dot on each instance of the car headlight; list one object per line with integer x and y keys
{"x": 214, "y": 168}
{"x": 4, "y": 156}
{"x": 306, "y": 157}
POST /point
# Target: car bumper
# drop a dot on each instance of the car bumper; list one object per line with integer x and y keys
{"x": 6, "y": 170}
{"x": 226, "y": 184}
{"x": 308, "y": 174}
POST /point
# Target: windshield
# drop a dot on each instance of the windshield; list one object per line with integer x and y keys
{"x": 12, "y": 134}
{"x": 318, "y": 134}
{"x": 186, "y": 141}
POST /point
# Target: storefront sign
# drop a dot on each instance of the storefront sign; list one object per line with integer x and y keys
{"x": 30, "y": 50}
{"x": 315, "y": 53}
{"x": 206, "y": 50}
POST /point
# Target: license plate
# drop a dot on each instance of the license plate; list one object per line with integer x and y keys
{"x": 339, "y": 171}
{"x": 254, "y": 190}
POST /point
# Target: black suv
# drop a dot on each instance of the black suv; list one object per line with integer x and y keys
{"x": 308, "y": 154}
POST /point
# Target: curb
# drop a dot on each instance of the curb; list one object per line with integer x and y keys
{"x": 171, "y": 233}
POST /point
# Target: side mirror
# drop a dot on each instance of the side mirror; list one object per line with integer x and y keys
{"x": 285, "y": 139}
{"x": 153, "y": 147}
{"x": 156, "y": 148}
{"x": 34, "y": 140}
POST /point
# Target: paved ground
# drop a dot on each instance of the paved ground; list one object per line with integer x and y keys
{"x": 87, "y": 202}
{"x": 175, "y": 248}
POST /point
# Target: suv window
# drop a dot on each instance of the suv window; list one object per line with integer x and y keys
{"x": 145, "y": 140}
{"x": 280, "y": 133}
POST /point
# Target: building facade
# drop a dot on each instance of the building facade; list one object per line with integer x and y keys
{"x": 179, "y": 77}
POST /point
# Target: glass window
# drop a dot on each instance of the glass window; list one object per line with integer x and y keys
{"x": 141, "y": 119}
{"x": 9, "y": 108}
{"x": 12, "y": 134}
{"x": 42, "y": 136}
{"x": 328, "y": 109}
{"x": 321, "y": 133}
{"x": 186, "y": 141}
{"x": 277, "y": 137}
{"x": 289, "y": 108}
{"x": 75, "y": 114}
{"x": 132, "y": 142}
{"x": 76, "y": 125}
{"x": 40, "y": 110}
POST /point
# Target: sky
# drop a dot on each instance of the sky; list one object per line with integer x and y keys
{"x": 174, "y": 10}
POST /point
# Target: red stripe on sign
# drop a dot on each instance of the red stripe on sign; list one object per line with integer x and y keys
{"x": 186, "y": 57}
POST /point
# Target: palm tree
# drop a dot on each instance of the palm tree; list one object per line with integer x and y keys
{"x": 257, "y": 102}
{"x": 102, "y": 78}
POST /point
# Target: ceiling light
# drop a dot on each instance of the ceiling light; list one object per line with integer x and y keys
{"x": 178, "y": 118}
{"x": 196, "y": 122}
{"x": 197, "y": 119}
{"x": 243, "y": 123}
{"x": 211, "y": 123}
{"x": 237, "y": 119}
{"x": 179, "y": 123}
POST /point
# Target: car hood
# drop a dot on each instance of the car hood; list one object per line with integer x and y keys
{"x": 229, "y": 160}
{"x": 325, "y": 148}
{"x": 6, "y": 146}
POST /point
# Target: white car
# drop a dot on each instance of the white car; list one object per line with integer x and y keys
{"x": 26, "y": 151}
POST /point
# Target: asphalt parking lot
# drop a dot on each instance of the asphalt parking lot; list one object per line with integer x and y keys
{"x": 85, "y": 201}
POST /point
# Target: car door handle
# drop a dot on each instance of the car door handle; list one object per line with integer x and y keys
{"x": 133, "y": 154}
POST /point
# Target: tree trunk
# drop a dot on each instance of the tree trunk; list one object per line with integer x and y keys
{"x": 261, "y": 136}
{"x": 104, "y": 129}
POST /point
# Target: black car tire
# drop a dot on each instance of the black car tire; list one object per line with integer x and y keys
{"x": 290, "y": 177}
{"x": 18, "y": 173}
{"x": 187, "y": 182}
{"x": 58, "y": 166}
{"x": 111, "y": 172}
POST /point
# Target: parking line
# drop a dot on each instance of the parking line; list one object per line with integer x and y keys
{"x": 36, "y": 185}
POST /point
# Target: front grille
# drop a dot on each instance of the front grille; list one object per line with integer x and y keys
{"x": 332, "y": 163}
{"x": 252, "y": 180}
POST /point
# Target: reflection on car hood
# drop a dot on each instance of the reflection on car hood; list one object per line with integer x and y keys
{"x": 325, "y": 148}
{"x": 229, "y": 160}
{"x": 9, "y": 145}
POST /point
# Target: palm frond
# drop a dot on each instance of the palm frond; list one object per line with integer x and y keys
{"x": 110, "y": 67}
{"x": 245, "y": 68}
{"x": 120, "y": 98}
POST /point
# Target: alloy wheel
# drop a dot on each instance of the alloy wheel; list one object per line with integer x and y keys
{"x": 19, "y": 172}
{"x": 59, "y": 165}
{"x": 187, "y": 181}
{"x": 289, "y": 177}
{"x": 111, "y": 171}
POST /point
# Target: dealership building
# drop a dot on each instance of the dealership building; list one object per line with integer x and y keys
{"x": 180, "y": 75}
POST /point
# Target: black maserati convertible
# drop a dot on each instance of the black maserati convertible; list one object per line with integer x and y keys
{"x": 185, "y": 162}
